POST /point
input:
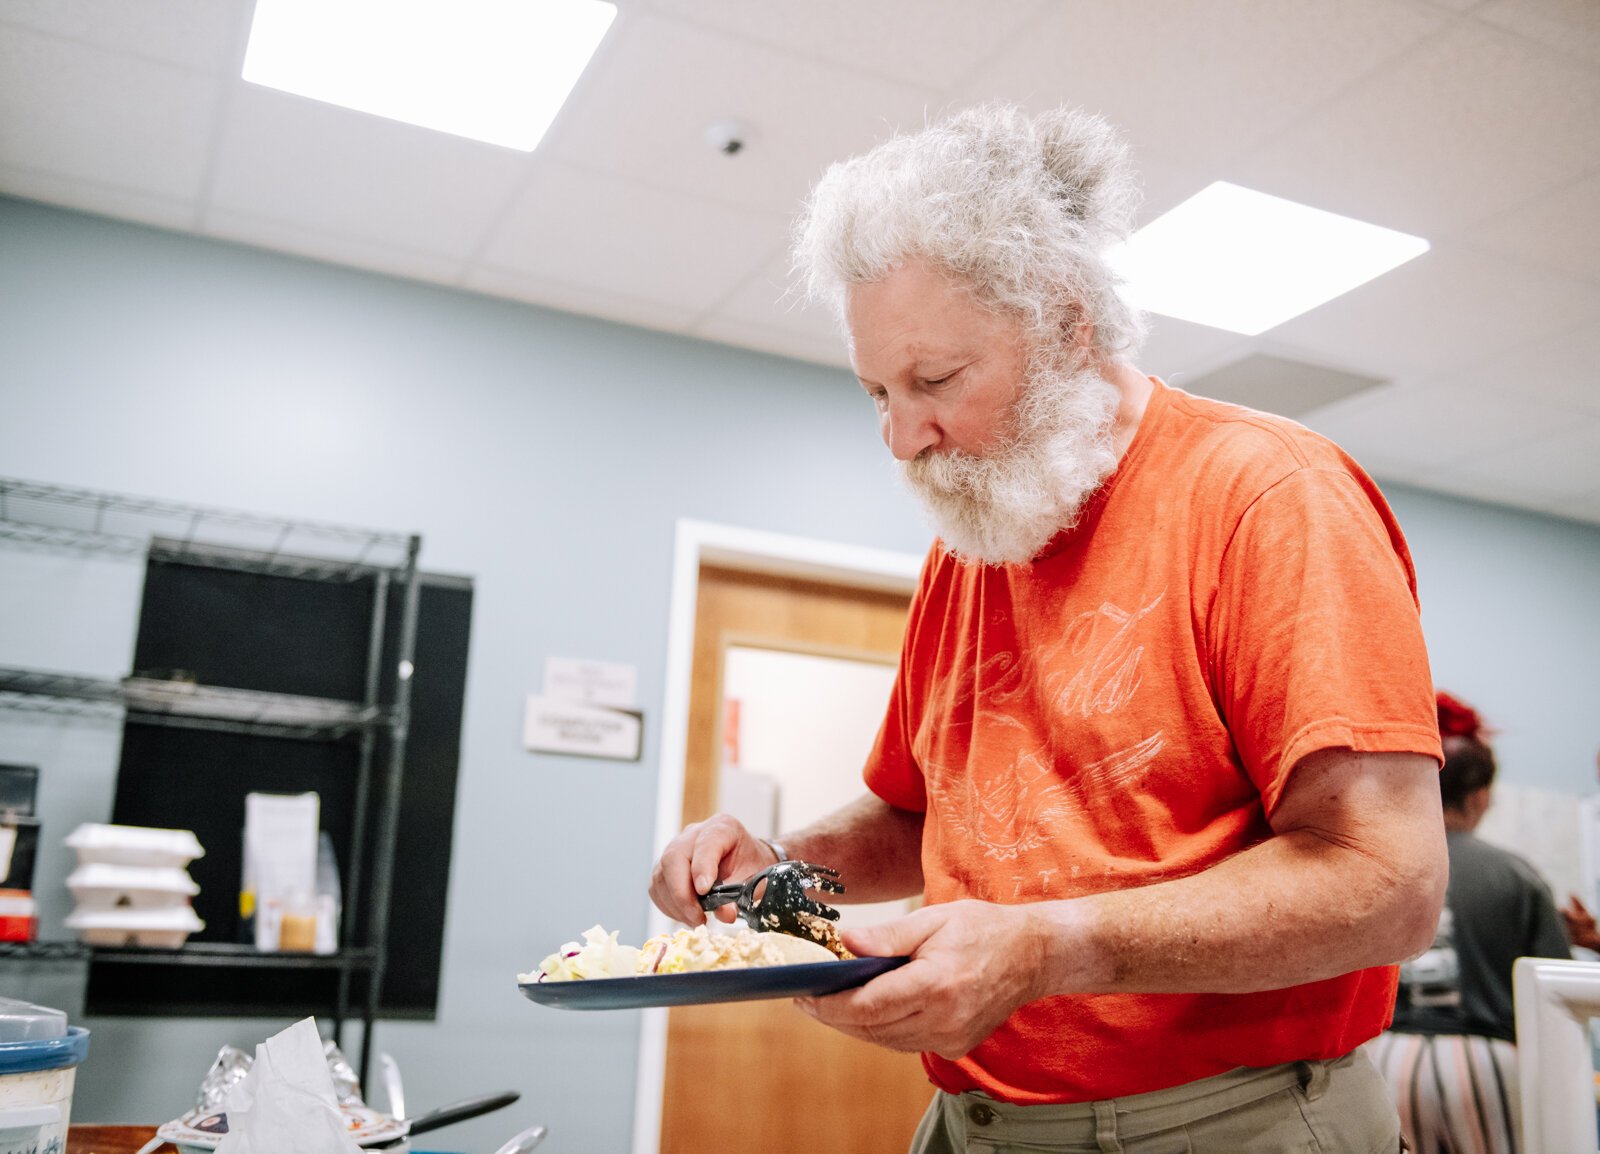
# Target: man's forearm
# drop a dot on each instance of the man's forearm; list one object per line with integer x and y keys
{"x": 1246, "y": 925}
{"x": 876, "y": 848}
{"x": 1296, "y": 908}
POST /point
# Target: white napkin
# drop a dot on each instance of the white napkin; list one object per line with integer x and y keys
{"x": 286, "y": 1101}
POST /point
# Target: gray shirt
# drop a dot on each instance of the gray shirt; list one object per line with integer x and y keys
{"x": 1497, "y": 910}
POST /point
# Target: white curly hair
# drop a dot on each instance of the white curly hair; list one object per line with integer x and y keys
{"x": 1019, "y": 208}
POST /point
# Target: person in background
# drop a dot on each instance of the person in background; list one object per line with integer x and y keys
{"x": 1451, "y": 1057}
{"x": 1580, "y": 922}
{"x": 1161, "y": 751}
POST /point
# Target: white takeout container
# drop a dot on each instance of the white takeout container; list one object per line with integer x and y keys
{"x": 101, "y": 886}
{"x": 133, "y": 845}
{"x": 160, "y": 927}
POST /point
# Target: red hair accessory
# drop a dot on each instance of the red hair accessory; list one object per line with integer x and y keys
{"x": 1458, "y": 719}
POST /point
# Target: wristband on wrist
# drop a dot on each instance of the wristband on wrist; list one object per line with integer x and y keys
{"x": 777, "y": 850}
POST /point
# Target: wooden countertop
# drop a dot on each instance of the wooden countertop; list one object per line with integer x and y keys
{"x": 108, "y": 1139}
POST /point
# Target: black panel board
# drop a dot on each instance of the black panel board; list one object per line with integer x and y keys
{"x": 255, "y": 631}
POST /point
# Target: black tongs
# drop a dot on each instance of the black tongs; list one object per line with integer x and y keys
{"x": 783, "y": 906}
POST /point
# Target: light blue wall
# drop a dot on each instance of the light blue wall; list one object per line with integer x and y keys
{"x": 1511, "y": 608}
{"x": 548, "y": 456}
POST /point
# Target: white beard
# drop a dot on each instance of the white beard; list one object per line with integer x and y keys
{"x": 1005, "y": 506}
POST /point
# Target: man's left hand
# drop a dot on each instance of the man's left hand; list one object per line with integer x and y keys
{"x": 972, "y": 963}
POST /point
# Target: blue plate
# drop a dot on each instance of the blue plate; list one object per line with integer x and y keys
{"x": 813, "y": 978}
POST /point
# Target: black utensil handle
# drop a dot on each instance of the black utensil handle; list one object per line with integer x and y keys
{"x": 721, "y": 895}
{"x": 462, "y": 1110}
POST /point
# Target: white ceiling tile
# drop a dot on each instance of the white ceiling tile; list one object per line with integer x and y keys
{"x": 1166, "y": 184}
{"x": 1581, "y": 510}
{"x": 927, "y": 43}
{"x": 1177, "y": 350}
{"x": 772, "y": 300}
{"x": 336, "y": 248}
{"x": 1472, "y": 123}
{"x": 200, "y": 34}
{"x": 1200, "y": 82}
{"x": 782, "y": 342}
{"x": 1513, "y": 495}
{"x": 573, "y": 299}
{"x": 333, "y": 170}
{"x": 1401, "y": 470}
{"x": 1559, "y": 230}
{"x": 1563, "y": 465}
{"x": 1358, "y": 424}
{"x": 103, "y": 199}
{"x": 83, "y": 112}
{"x": 1448, "y": 308}
{"x": 1562, "y": 370}
{"x": 1569, "y": 26}
{"x": 1585, "y": 508}
{"x": 1287, "y": 386}
{"x": 599, "y": 233}
{"x": 1410, "y": 428}
{"x": 645, "y": 106}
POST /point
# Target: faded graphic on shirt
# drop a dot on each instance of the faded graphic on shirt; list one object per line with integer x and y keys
{"x": 1432, "y": 979}
{"x": 1023, "y": 709}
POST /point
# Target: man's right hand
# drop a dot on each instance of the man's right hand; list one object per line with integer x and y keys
{"x": 706, "y": 852}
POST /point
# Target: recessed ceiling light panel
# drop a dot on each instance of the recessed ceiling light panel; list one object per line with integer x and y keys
{"x": 491, "y": 70}
{"x": 1243, "y": 261}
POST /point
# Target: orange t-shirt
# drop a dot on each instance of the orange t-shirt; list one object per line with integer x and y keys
{"x": 1127, "y": 708}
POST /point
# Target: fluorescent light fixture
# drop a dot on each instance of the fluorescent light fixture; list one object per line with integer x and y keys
{"x": 1244, "y": 261}
{"x": 491, "y": 70}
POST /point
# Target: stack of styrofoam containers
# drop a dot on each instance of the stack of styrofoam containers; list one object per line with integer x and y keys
{"x": 132, "y": 885}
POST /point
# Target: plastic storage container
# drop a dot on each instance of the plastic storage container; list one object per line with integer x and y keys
{"x": 39, "y": 1059}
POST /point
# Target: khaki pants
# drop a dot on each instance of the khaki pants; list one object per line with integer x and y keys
{"x": 1334, "y": 1107}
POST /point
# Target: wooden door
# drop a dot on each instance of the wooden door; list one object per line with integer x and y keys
{"x": 750, "y": 1077}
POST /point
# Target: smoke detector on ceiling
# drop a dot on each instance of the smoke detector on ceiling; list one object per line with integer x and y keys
{"x": 729, "y": 136}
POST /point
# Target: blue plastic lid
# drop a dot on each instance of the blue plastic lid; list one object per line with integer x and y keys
{"x": 50, "y": 1054}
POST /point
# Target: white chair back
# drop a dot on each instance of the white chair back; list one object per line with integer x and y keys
{"x": 1554, "y": 1002}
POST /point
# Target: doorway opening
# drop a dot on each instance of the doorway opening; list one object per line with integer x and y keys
{"x": 768, "y": 611}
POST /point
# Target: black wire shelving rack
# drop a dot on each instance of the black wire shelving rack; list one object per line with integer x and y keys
{"x": 53, "y": 518}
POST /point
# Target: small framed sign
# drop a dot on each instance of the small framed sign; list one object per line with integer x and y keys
{"x": 552, "y": 725}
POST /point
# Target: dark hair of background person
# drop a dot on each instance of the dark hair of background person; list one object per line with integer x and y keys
{"x": 1468, "y": 761}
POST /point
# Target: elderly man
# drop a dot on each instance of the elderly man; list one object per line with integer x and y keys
{"x": 1161, "y": 754}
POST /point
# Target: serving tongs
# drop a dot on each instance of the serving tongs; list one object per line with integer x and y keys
{"x": 783, "y": 905}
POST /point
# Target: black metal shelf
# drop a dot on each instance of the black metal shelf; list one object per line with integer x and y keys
{"x": 56, "y": 517}
{"x": 49, "y": 517}
{"x": 186, "y": 705}
{"x": 189, "y": 954}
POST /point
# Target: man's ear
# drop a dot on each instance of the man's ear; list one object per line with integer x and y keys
{"x": 1077, "y": 330}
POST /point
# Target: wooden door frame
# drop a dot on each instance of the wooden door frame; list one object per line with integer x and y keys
{"x": 755, "y": 551}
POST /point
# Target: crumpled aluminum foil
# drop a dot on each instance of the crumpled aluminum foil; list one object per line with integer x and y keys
{"x": 346, "y": 1086}
{"x": 226, "y": 1072}
{"x": 233, "y": 1064}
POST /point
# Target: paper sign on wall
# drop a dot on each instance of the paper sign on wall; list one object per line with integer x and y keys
{"x": 555, "y": 726}
{"x": 591, "y": 682}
